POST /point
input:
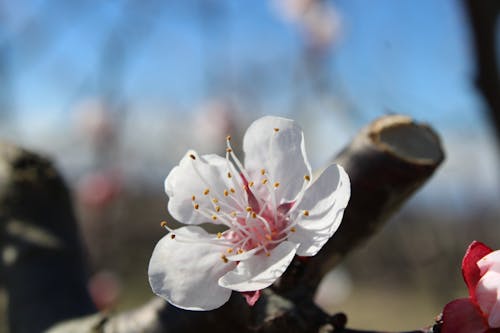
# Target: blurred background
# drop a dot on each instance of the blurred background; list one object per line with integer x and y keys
{"x": 116, "y": 92}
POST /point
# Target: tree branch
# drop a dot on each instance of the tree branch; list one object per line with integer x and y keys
{"x": 483, "y": 17}
{"x": 387, "y": 162}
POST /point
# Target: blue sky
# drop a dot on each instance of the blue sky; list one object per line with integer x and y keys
{"x": 405, "y": 56}
{"x": 400, "y": 56}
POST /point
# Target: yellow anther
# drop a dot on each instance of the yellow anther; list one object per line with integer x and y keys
{"x": 192, "y": 156}
{"x": 262, "y": 171}
{"x": 228, "y": 138}
{"x": 276, "y": 129}
{"x": 214, "y": 217}
{"x": 233, "y": 214}
{"x": 215, "y": 200}
{"x": 196, "y": 206}
{"x": 240, "y": 251}
{"x": 254, "y": 215}
{"x": 230, "y": 250}
{"x": 226, "y": 193}
{"x": 224, "y": 259}
{"x": 292, "y": 229}
{"x": 229, "y": 175}
{"x": 232, "y": 190}
{"x": 219, "y": 235}
{"x": 172, "y": 236}
{"x": 250, "y": 184}
{"x": 268, "y": 237}
{"x": 217, "y": 209}
{"x": 307, "y": 177}
{"x": 277, "y": 184}
{"x": 163, "y": 224}
{"x": 228, "y": 150}
{"x": 193, "y": 198}
{"x": 306, "y": 213}
{"x": 206, "y": 191}
{"x": 264, "y": 181}
{"x": 248, "y": 209}
{"x": 268, "y": 254}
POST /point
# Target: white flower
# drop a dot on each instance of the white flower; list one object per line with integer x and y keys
{"x": 271, "y": 210}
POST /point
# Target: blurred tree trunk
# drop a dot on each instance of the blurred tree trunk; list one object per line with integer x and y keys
{"x": 484, "y": 16}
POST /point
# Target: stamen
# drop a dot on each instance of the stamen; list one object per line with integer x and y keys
{"x": 172, "y": 236}
{"x": 232, "y": 190}
{"x": 262, "y": 171}
{"x": 228, "y": 150}
{"x": 229, "y": 175}
{"x": 196, "y": 206}
{"x": 306, "y": 213}
{"x": 254, "y": 215}
{"x": 224, "y": 259}
{"x": 276, "y": 129}
{"x": 214, "y": 217}
{"x": 239, "y": 165}
{"x": 264, "y": 181}
{"x": 230, "y": 250}
{"x": 307, "y": 178}
{"x": 268, "y": 237}
{"x": 219, "y": 235}
{"x": 192, "y": 156}
{"x": 163, "y": 224}
{"x": 217, "y": 209}
{"x": 233, "y": 214}
{"x": 248, "y": 209}
{"x": 206, "y": 191}
{"x": 250, "y": 184}
{"x": 277, "y": 184}
{"x": 215, "y": 200}
{"x": 193, "y": 198}
{"x": 268, "y": 254}
{"x": 240, "y": 251}
{"x": 292, "y": 229}
{"x": 226, "y": 193}
{"x": 228, "y": 138}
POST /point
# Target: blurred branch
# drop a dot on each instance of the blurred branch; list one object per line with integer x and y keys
{"x": 387, "y": 162}
{"x": 483, "y": 17}
{"x": 42, "y": 267}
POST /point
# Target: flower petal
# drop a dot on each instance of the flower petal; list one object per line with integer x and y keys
{"x": 490, "y": 261}
{"x": 260, "y": 271}
{"x": 280, "y": 153}
{"x": 470, "y": 269}
{"x": 193, "y": 177}
{"x": 324, "y": 201}
{"x": 185, "y": 273}
{"x": 462, "y": 316}
{"x": 487, "y": 295}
